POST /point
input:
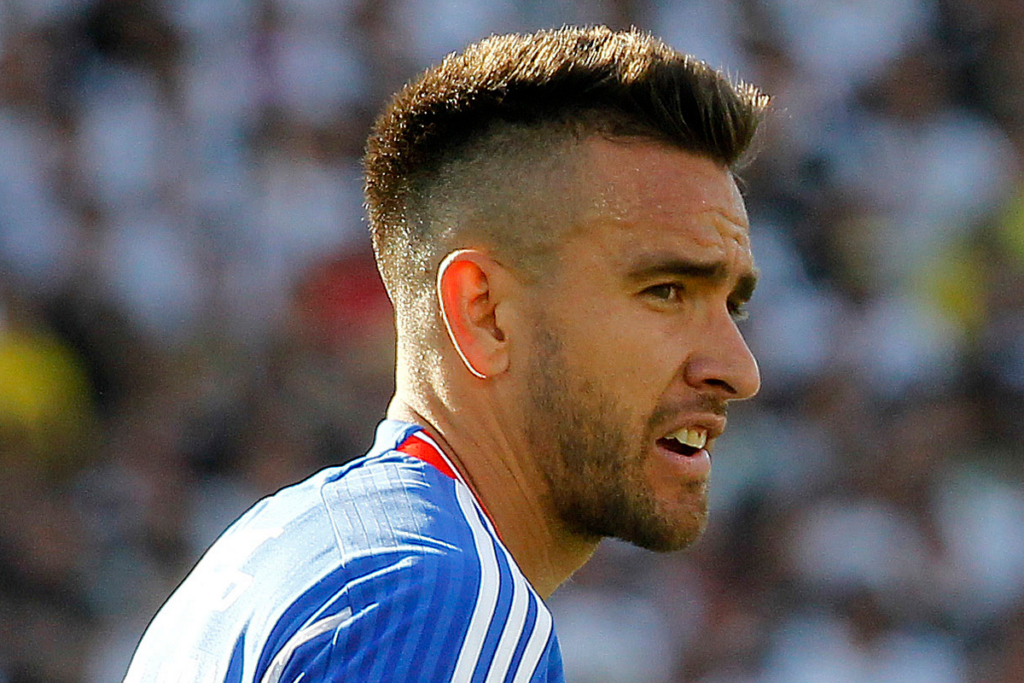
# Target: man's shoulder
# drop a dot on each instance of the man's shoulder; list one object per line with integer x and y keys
{"x": 430, "y": 593}
{"x": 385, "y": 564}
{"x": 386, "y": 515}
{"x": 370, "y": 499}
{"x": 388, "y": 479}
{"x": 391, "y": 505}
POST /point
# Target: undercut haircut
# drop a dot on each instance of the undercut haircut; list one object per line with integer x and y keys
{"x": 457, "y": 152}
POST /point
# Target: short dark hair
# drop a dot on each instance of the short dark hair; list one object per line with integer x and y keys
{"x": 578, "y": 80}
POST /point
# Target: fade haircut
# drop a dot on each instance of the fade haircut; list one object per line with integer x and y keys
{"x": 457, "y": 152}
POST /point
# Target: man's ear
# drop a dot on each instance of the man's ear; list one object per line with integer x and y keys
{"x": 469, "y": 294}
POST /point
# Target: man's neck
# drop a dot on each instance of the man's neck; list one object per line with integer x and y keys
{"x": 510, "y": 488}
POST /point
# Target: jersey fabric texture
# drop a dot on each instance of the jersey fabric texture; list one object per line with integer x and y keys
{"x": 384, "y": 569}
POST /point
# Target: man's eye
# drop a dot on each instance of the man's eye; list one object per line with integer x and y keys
{"x": 665, "y": 292}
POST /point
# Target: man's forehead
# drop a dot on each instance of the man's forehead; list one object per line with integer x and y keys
{"x": 623, "y": 177}
{"x": 656, "y": 194}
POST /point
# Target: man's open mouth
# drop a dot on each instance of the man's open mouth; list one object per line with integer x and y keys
{"x": 686, "y": 441}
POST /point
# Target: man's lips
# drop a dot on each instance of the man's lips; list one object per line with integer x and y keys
{"x": 679, "y": 447}
{"x": 686, "y": 440}
{"x": 688, "y": 461}
{"x": 693, "y": 433}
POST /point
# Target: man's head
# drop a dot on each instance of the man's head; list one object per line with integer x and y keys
{"x": 582, "y": 179}
{"x": 460, "y": 152}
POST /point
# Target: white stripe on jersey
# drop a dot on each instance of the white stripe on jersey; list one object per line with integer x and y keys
{"x": 535, "y": 648}
{"x": 302, "y": 636}
{"x": 487, "y": 597}
{"x": 513, "y": 630}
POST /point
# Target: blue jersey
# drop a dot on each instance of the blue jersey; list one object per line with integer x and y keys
{"x": 385, "y": 569}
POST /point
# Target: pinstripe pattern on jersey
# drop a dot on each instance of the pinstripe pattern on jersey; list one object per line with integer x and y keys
{"x": 391, "y": 541}
{"x": 306, "y": 634}
{"x": 493, "y": 636}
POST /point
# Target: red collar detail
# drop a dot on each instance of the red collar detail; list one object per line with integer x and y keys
{"x": 420, "y": 449}
{"x": 423, "y": 450}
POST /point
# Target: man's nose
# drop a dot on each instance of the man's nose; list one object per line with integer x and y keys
{"x": 722, "y": 363}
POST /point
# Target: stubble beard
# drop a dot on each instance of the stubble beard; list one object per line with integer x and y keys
{"x": 597, "y": 480}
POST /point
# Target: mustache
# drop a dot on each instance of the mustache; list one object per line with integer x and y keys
{"x": 703, "y": 403}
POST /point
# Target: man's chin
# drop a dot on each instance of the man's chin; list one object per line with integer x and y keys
{"x": 665, "y": 535}
{"x": 666, "y": 543}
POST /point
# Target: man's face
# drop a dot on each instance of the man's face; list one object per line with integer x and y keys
{"x": 635, "y": 351}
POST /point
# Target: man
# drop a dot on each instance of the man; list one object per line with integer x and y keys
{"x": 557, "y": 223}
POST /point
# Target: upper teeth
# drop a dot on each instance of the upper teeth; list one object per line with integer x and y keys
{"x": 695, "y": 438}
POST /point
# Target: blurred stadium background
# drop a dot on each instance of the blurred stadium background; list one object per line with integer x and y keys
{"x": 190, "y": 319}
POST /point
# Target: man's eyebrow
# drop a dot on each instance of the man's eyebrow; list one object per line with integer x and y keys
{"x": 650, "y": 268}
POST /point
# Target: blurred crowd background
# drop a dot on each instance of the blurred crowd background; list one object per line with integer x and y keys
{"x": 190, "y": 319}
